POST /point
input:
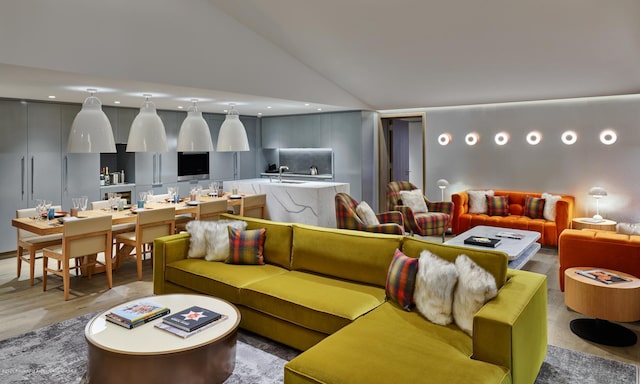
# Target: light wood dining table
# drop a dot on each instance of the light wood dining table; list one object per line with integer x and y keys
{"x": 48, "y": 227}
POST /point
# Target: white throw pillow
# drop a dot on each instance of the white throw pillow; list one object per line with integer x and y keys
{"x": 628, "y": 229}
{"x": 197, "y": 241}
{"x": 433, "y": 294}
{"x": 550, "y": 201}
{"x": 414, "y": 200}
{"x": 366, "y": 214}
{"x": 478, "y": 201}
{"x": 217, "y": 235}
{"x": 475, "y": 287}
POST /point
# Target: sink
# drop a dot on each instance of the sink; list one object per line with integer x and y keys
{"x": 288, "y": 181}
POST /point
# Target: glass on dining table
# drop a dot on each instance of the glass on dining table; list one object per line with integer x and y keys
{"x": 39, "y": 208}
{"x": 46, "y": 208}
{"x": 142, "y": 199}
{"x": 84, "y": 200}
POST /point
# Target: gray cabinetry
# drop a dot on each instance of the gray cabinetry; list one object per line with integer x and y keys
{"x": 120, "y": 119}
{"x": 161, "y": 169}
{"x": 270, "y": 131}
{"x": 13, "y": 168}
{"x": 44, "y": 155}
{"x": 80, "y": 171}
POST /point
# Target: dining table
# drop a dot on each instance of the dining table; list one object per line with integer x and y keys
{"x": 42, "y": 226}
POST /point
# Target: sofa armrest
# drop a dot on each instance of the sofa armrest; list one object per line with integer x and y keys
{"x": 440, "y": 206}
{"x": 511, "y": 329}
{"x": 166, "y": 250}
{"x": 564, "y": 214}
{"x": 460, "y": 206}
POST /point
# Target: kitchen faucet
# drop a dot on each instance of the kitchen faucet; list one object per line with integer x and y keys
{"x": 282, "y": 168}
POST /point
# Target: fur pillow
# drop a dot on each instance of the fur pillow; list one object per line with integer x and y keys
{"x": 628, "y": 229}
{"x": 197, "y": 241}
{"x": 550, "y": 201}
{"x": 217, "y": 236}
{"x": 366, "y": 214}
{"x": 414, "y": 200}
{"x": 435, "y": 281}
{"x": 475, "y": 287}
{"x": 478, "y": 201}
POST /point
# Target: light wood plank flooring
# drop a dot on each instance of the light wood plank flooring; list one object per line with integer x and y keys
{"x": 23, "y": 307}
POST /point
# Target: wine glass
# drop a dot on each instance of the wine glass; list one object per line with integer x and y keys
{"x": 76, "y": 202}
{"x": 46, "y": 207}
{"x": 150, "y": 195}
{"x": 84, "y": 200}
{"x": 171, "y": 192}
{"x": 39, "y": 208}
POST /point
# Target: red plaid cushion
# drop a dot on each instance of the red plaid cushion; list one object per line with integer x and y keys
{"x": 497, "y": 205}
{"x": 401, "y": 279}
{"x": 534, "y": 207}
{"x": 246, "y": 247}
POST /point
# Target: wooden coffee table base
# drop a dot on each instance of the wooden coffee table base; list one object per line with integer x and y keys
{"x": 603, "y": 332}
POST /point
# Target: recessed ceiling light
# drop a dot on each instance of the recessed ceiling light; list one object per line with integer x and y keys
{"x": 319, "y": 109}
{"x": 268, "y": 107}
{"x": 52, "y": 97}
{"x": 259, "y": 113}
{"x": 306, "y": 104}
{"x": 116, "y": 102}
{"x": 180, "y": 107}
{"x": 225, "y": 110}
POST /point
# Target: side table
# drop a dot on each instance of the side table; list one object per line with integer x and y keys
{"x": 589, "y": 223}
{"x": 605, "y": 302}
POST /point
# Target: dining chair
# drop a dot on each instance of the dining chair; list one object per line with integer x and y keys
{"x": 210, "y": 210}
{"x": 30, "y": 243}
{"x": 150, "y": 224}
{"x": 253, "y": 205}
{"x": 118, "y": 228}
{"x": 81, "y": 238}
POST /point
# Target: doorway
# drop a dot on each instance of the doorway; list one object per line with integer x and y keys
{"x": 401, "y": 152}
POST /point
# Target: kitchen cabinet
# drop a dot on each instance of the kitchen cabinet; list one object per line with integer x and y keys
{"x": 270, "y": 131}
{"x": 13, "y": 168}
{"x": 44, "y": 167}
{"x": 298, "y": 131}
{"x": 161, "y": 168}
{"x": 80, "y": 171}
{"x": 346, "y": 130}
{"x": 120, "y": 119}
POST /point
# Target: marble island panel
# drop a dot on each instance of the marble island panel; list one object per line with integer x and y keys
{"x": 295, "y": 201}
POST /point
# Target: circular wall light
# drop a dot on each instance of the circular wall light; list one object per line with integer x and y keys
{"x": 472, "y": 138}
{"x": 608, "y": 136}
{"x": 569, "y": 137}
{"x": 444, "y": 139}
{"x": 502, "y": 138}
{"x": 534, "y": 137}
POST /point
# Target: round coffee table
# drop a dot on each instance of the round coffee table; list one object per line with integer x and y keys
{"x": 605, "y": 302}
{"x": 146, "y": 354}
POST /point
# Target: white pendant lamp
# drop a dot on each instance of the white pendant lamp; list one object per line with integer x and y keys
{"x": 194, "y": 133}
{"x": 147, "y": 132}
{"x": 232, "y": 136}
{"x": 91, "y": 130}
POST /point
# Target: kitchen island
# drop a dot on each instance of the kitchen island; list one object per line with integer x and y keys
{"x": 295, "y": 201}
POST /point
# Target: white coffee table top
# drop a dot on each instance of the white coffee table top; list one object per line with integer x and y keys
{"x": 512, "y": 247}
{"x": 147, "y": 339}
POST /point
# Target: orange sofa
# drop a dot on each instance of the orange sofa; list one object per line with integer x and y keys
{"x": 549, "y": 231}
{"x": 600, "y": 249}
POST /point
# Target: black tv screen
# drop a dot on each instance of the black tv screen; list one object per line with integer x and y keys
{"x": 193, "y": 166}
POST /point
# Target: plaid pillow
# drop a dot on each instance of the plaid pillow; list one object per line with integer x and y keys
{"x": 401, "y": 279}
{"x": 246, "y": 247}
{"x": 497, "y": 205}
{"x": 534, "y": 207}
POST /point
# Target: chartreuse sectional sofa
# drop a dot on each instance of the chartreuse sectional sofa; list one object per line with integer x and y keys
{"x": 322, "y": 291}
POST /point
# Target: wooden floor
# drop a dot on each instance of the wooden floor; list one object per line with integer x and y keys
{"x": 23, "y": 308}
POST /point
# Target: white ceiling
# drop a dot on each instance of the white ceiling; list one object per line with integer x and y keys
{"x": 330, "y": 54}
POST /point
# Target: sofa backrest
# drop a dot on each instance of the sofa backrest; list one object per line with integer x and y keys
{"x": 352, "y": 255}
{"x": 278, "y": 239}
{"x": 495, "y": 262}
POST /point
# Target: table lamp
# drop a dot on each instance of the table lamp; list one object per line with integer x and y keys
{"x": 597, "y": 193}
{"x": 442, "y": 184}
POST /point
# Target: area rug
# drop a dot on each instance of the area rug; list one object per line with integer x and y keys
{"x": 57, "y": 354}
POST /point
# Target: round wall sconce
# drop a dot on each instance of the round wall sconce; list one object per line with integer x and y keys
{"x": 472, "y": 138}
{"x": 569, "y": 137}
{"x": 534, "y": 137}
{"x": 502, "y": 138}
{"x": 608, "y": 136}
{"x": 444, "y": 139}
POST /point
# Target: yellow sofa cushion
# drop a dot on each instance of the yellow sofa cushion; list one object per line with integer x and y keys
{"x": 390, "y": 345}
{"x": 323, "y": 304}
{"x": 354, "y": 255}
{"x": 217, "y": 278}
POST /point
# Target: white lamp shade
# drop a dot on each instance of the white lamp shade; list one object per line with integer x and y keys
{"x": 194, "y": 134}
{"x": 443, "y": 183}
{"x": 91, "y": 130}
{"x": 147, "y": 131}
{"x": 597, "y": 192}
{"x": 232, "y": 136}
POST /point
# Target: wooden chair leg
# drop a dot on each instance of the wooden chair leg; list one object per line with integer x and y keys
{"x": 108, "y": 269}
{"x": 45, "y": 261}
{"x": 139, "y": 255}
{"x": 32, "y": 265}
{"x": 19, "y": 258}
{"x": 66, "y": 276}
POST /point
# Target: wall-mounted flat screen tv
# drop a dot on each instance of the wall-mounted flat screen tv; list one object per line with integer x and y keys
{"x": 193, "y": 166}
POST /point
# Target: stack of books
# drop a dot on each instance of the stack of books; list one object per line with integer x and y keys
{"x": 136, "y": 314}
{"x": 190, "y": 321}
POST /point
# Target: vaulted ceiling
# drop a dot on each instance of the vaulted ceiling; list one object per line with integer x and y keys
{"x": 299, "y": 56}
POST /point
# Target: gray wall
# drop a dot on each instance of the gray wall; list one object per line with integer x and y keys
{"x": 549, "y": 166}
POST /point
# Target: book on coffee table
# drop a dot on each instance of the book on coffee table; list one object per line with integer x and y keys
{"x": 184, "y": 334}
{"x": 510, "y": 235}
{"x": 132, "y": 315}
{"x": 192, "y": 318}
{"x": 602, "y": 276}
{"x": 482, "y": 241}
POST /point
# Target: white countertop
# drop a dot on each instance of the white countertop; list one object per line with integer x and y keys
{"x": 289, "y": 183}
